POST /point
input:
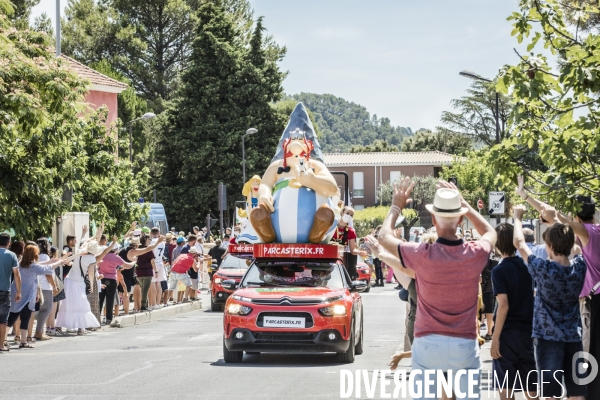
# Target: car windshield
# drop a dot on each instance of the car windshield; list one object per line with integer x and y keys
{"x": 232, "y": 262}
{"x": 282, "y": 273}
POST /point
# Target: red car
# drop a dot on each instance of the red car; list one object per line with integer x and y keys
{"x": 364, "y": 273}
{"x": 232, "y": 268}
{"x": 294, "y": 298}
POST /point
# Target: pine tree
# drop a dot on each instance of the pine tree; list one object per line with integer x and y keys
{"x": 226, "y": 90}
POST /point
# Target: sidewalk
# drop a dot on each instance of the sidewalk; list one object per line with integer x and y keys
{"x": 138, "y": 318}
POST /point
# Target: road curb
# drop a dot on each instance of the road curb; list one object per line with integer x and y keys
{"x": 156, "y": 315}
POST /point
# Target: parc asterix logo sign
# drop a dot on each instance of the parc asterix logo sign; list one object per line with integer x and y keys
{"x": 431, "y": 384}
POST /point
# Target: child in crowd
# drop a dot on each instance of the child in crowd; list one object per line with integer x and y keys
{"x": 512, "y": 344}
{"x": 556, "y": 321}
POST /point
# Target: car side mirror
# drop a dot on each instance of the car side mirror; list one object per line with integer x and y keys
{"x": 358, "y": 286}
{"x": 229, "y": 284}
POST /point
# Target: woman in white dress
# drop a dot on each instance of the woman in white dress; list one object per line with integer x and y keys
{"x": 75, "y": 311}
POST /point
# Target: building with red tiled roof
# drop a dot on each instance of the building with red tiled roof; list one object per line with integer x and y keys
{"x": 103, "y": 89}
{"x": 366, "y": 171}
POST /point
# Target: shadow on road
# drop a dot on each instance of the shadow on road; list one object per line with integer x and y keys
{"x": 283, "y": 360}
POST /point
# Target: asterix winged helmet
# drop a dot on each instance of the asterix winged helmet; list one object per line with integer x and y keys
{"x": 299, "y": 120}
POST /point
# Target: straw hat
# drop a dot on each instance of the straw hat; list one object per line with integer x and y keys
{"x": 135, "y": 240}
{"x": 446, "y": 203}
{"x": 94, "y": 248}
{"x": 193, "y": 250}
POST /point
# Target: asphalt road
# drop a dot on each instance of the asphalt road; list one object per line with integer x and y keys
{"x": 181, "y": 358}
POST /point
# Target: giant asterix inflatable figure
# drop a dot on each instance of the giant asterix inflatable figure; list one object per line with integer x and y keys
{"x": 294, "y": 197}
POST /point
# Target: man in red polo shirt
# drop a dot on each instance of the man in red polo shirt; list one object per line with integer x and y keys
{"x": 180, "y": 267}
{"x": 447, "y": 280}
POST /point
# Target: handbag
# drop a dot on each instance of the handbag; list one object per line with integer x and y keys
{"x": 58, "y": 283}
{"x": 86, "y": 279}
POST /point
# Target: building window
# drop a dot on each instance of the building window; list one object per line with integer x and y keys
{"x": 394, "y": 176}
{"x": 359, "y": 207}
{"x": 358, "y": 184}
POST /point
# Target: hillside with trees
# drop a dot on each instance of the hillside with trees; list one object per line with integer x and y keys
{"x": 343, "y": 124}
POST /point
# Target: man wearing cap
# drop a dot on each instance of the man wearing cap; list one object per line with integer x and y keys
{"x": 180, "y": 267}
{"x": 445, "y": 336}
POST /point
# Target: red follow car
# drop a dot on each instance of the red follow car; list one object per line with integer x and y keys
{"x": 232, "y": 268}
{"x": 364, "y": 273}
{"x": 293, "y": 298}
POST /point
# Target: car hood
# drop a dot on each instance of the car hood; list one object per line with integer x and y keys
{"x": 293, "y": 292}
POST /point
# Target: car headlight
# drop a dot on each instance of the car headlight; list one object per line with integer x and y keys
{"x": 217, "y": 280}
{"x": 331, "y": 311}
{"x": 238, "y": 309}
{"x": 242, "y": 298}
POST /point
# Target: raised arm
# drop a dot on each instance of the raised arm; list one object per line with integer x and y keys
{"x": 138, "y": 252}
{"x": 404, "y": 274}
{"x": 486, "y": 231}
{"x": 107, "y": 249}
{"x": 402, "y": 191}
{"x": 99, "y": 232}
{"x": 518, "y": 237}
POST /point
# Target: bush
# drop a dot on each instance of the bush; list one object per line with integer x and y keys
{"x": 368, "y": 219}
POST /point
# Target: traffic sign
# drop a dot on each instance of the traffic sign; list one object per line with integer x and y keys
{"x": 480, "y": 204}
{"x": 496, "y": 203}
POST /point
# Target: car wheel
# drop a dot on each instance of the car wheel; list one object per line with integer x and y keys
{"x": 348, "y": 356}
{"x": 359, "y": 345}
{"x": 214, "y": 306}
{"x": 368, "y": 289}
{"x": 232, "y": 356}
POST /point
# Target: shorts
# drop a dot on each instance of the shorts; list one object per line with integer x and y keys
{"x": 489, "y": 301}
{"x": 120, "y": 288}
{"x": 556, "y": 360}
{"x": 440, "y": 352}
{"x": 174, "y": 278}
{"x": 163, "y": 285}
{"x": 518, "y": 357}
{"x": 4, "y": 307}
{"x": 128, "y": 283}
{"x": 195, "y": 284}
{"x": 161, "y": 274}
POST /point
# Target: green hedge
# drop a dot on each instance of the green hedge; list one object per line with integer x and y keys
{"x": 368, "y": 219}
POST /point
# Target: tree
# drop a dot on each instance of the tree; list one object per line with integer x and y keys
{"x": 22, "y": 12}
{"x": 555, "y": 111}
{"x": 146, "y": 41}
{"x": 285, "y": 108}
{"x": 43, "y": 23}
{"x": 476, "y": 178}
{"x": 440, "y": 140}
{"x": 227, "y": 88}
{"x": 344, "y": 124}
{"x": 52, "y": 140}
{"x": 422, "y": 194}
{"x": 476, "y": 116}
{"x": 377, "y": 146}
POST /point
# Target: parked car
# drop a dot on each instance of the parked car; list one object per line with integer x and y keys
{"x": 232, "y": 268}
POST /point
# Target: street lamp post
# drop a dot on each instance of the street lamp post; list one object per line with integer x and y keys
{"x": 148, "y": 115}
{"x": 250, "y": 131}
{"x": 473, "y": 75}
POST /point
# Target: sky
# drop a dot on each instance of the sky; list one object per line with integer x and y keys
{"x": 398, "y": 58}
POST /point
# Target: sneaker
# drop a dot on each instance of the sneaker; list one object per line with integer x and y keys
{"x": 483, "y": 325}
